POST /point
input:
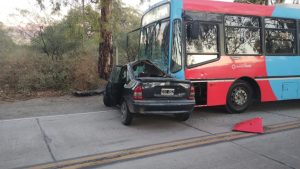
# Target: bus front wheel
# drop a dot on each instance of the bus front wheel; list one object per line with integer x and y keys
{"x": 239, "y": 97}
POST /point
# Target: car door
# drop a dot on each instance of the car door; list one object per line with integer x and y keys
{"x": 114, "y": 86}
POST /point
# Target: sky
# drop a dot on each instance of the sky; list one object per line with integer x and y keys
{"x": 9, "y": 7}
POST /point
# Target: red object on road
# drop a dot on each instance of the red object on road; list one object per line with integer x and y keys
{"x": 254, "y": 125}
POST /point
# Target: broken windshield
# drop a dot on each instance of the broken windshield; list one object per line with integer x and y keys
{"x": 155, "y": 44}
{"x": 145, "y": 69}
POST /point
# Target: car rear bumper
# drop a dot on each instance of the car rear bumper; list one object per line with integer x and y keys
{"x": 162, "y": 106}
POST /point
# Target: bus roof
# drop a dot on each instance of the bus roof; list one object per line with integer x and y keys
{"x": 282, "y": 11}
{"x": 227, "y": 7}
{"x": 157, "y": 4}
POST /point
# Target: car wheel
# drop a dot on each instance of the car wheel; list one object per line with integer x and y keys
{"x": 183, "y": 116}
{"x": 106, "y": 100}
{"x": 126, "y": 116}
{"x": 239, "y": 97}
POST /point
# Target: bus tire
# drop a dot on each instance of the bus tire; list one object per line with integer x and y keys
{"x": 239, "y": 97}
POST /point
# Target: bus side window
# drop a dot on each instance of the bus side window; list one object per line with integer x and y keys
{"x": 242, "y": 35}
{"x": 201, "y": 43}
{"x": 280, "y": 36}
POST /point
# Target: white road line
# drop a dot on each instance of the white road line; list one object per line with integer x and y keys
{"x": 59, "y": 115}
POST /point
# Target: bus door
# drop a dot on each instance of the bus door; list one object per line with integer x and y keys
{"x": 176, "y": 59}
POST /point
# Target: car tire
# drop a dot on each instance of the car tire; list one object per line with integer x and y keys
{"x": 126, "y": 116}
{"x": 183, "y": 116}
{"x": 106, "y": 100}
{"x": 239, "y": 97}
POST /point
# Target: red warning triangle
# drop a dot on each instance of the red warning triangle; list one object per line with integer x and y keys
{"x": 254, "y": 125}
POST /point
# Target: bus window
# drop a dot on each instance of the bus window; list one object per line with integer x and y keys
{"x": 242, "y": 35}
{"x": 176, "y": 62}
{"x": 280, "y": 36}
{"x": 158, "y": 13}
{"x": 155, "y": 43}
{"x": 201, "y": 43}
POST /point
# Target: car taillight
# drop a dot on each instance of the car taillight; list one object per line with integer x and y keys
{"x": 138, "y": 93}
{"x": 192, "y": 93}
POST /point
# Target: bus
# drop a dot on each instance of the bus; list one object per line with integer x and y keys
{"x": 235, "y": 54}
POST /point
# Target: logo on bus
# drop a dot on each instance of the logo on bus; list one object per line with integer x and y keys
{"x": 240, "y": 66}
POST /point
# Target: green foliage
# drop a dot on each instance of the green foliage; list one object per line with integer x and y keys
{"x": 54, "y": 41}
{"x": 69, "y": 35}
{"x": 77, "y": 30}
{"x": 72, "y": 48}
{"x": 133, "y": 45}
{"x": 125, "y": 19}
{"x": 86, "y": 26}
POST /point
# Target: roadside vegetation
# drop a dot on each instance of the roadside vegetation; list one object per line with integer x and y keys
{"x": 62, "y": 56}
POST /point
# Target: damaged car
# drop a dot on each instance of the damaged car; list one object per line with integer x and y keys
{"x": 141, "y": 87}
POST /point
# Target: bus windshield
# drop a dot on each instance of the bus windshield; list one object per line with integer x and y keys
{"x": 154, "y": 41}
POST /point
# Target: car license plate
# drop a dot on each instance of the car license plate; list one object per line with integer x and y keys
{"x": 167, "y": 92}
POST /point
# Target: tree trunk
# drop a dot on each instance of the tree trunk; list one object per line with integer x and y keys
{"x": 105, "y": 61}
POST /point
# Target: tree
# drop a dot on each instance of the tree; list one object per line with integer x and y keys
{"x": 67, "y": 35}
{"x": 106, "y": 26}
{"x": 115, "y": 21}
{"x": 105, "y": 60}
{"x": 105, "y": 44}
{"x": 54, "y": 40}
{"x": 124, "y": 20}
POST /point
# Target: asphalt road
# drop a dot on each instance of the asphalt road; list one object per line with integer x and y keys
{"x": 274, "y": 151}
{"x": 47, "y": 130}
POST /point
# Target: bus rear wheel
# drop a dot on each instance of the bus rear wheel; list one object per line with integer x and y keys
{"x": 239, "y": 97}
